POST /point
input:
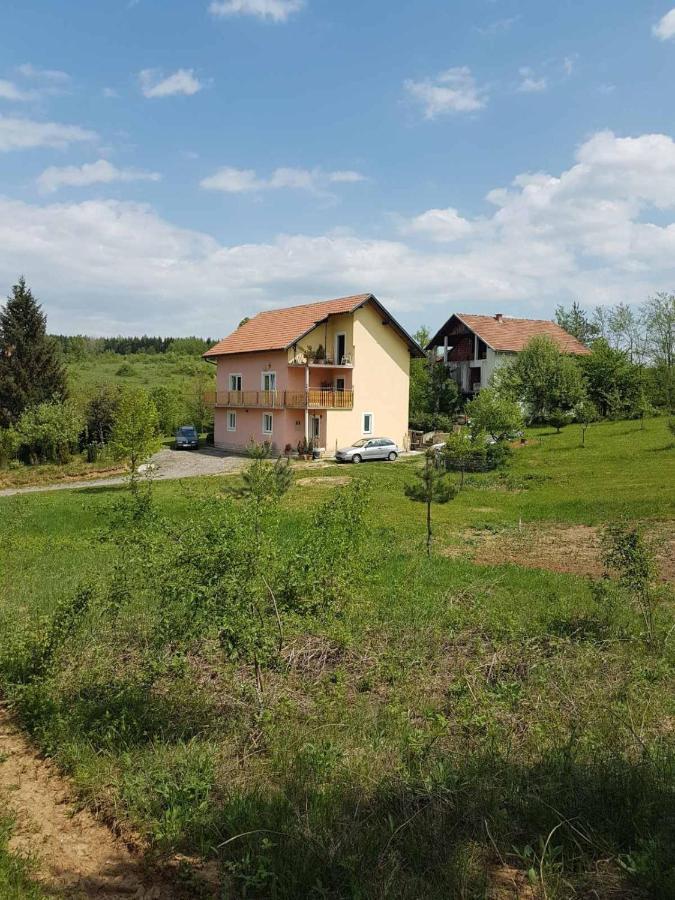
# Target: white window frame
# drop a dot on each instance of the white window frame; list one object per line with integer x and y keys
{"x": 233, "y": 387}
{"x": 231, "y": 421}
{"x": 271, "y": 418}
{"x": 264, "y": 375}
{"x": 363, "y": 424}
{"x": 338, "y": 335}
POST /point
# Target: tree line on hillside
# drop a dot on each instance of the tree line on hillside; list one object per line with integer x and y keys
{"x": 41, "y": 422}
{"x": 628, "y": 373}
{"x": 81, "y": 346}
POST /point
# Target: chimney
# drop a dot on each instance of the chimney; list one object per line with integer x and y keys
{"x": 499, "y": 317}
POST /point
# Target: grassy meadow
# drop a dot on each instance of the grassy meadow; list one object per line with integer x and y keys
{"x": 456, "y": 727}
{"x": 144, "y": 370}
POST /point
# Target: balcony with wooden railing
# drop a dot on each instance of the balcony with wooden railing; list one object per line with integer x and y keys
{"x": 314, "y": 398}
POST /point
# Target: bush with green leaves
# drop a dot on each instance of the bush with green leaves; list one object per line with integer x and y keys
{"x": 9, "y": 445}
{"x": 498, "y": 416}
{"x": 628, "y": 555}
{"x": 135, "y": 434}
{"x": 100, "y": 412}
{"x": 49, "y": 432}
{"x": 170, "y": 408}
{"x": 467, "y": 452}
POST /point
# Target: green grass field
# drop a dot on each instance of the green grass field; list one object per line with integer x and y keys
{"x": 146, "y": 370}
{"x": 455, "y": 721}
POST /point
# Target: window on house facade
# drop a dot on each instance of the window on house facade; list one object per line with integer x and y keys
{"x": 267, "y": 423}
{"x": 269, "y": 381}
{"x": 367, "y": 423}
{"x": 235, "y": 382}
{"x": 231, "y": 421}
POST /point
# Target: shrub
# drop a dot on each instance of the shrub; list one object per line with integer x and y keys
{"x": 49, "y": 432}
{"x": 135, "y": 435}
{"x": 9, "y": 445}
{"x": 499, "y": 416}
{"x": 464, "y": 452}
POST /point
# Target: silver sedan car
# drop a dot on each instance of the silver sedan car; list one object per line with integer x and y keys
{"x": 368, "y": 448}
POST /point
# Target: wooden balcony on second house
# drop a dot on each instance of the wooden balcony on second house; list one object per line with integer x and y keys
{"x": 314, "y": 398}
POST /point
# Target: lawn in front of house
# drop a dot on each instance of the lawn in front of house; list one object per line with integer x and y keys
{"x": 451, "y": 722}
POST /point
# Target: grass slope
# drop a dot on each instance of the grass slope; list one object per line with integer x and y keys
{"x": 146, "y": 370}
{"x": 456, "y": 722}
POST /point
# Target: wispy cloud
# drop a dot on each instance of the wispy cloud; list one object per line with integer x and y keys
{"x": 231, "y": 180}
{"x": 32, "y": 83}
{"x": 155, "y": 84}
{"x": 100, "y": 172}
{"x": 22, "y": 134}
{"x": 27, "y": 70}
{"x": 452, "y": 91}
{"x": 499, "y": 26}
{"x": 664, "y": 29}
{"x": 10, "y": 91}
{"x": 266, "y": 10}
{"x": 529, "y": 83}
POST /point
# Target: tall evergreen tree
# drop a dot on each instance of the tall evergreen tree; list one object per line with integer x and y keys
{"x": 31, "y": 370}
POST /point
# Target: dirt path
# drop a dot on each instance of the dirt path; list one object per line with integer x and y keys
{"x": 76, "y": 856}
{"x": 168, "y": 465}
{"x": 575, "y": 549}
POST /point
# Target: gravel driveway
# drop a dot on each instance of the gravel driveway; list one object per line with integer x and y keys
{"x": 170, "y": 464}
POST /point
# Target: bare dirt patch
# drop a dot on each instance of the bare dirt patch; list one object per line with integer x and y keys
{"x": 326, "y": 481}
{"x": 575, "y": 549}
{"x": 75, "y": 854}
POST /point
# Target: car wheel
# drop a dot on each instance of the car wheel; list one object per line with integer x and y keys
{"x": 356, "y": 458}
{"x": 392, "y": 456}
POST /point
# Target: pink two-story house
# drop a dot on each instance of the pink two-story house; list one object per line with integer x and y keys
{"x": 328, "y": 372}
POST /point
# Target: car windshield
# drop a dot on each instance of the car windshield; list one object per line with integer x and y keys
{"x": 361, "y": 443}
{"x": 187, "y": 431}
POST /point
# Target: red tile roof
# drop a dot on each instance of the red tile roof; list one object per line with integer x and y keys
{"x": 279, "y": 329}
{"x": 507, "y": 334}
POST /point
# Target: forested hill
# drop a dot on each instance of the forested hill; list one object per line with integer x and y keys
{"x": 79, "y": 346}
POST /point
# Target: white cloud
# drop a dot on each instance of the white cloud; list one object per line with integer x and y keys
{"x": 100, "y": 172}
{"x": 569, "y": 62}
{"x": 155, "y": 84}
{"x": 452, "y": 91}
{"x": 529, "y": 83}
{"x": 54, "y": 75}
{"x": 272, "y": 10}
{"x": 231, "y": 180}
{"x": 110, "y": 93}
{"x": 587, "y": 232}
{"x": 499, "y": 26}
{"x": 23, "y": 134}
{"x": 664, "y": 30}
{"x": 10, "y": 91}
{"x": 346, "y": 177}
{"x": 441, "y": 225}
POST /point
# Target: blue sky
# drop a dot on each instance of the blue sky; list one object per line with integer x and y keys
{"x": 169, "y": 166}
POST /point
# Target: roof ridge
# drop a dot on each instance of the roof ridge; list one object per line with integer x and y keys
{"x": 278, "y": 309}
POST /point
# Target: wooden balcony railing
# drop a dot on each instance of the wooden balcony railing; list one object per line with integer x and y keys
{"x": 314, "y": 398}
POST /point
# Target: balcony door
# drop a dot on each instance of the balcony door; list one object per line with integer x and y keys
{"x": 315, "y": 430}
{"x": 340, "y": 348}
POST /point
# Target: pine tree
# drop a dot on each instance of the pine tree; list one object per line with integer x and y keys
{"x": 432, "y": 486}
{"x": 31, "y": 371}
